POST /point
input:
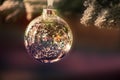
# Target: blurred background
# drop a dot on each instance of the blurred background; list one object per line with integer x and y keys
{"x": 95, "y": 53}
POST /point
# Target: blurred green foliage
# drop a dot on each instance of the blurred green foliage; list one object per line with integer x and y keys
{"x": 1, "y": 1}
{"x": 73, "y": 6}
{"x": 108, "y": 3}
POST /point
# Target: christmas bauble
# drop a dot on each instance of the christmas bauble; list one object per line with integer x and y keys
{"x": 48, "y": 38}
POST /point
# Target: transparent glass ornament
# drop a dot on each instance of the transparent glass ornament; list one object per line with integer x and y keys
{"x": 48, "y": 38}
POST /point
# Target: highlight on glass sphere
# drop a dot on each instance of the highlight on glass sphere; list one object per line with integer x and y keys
{"x": 48, "y": 38}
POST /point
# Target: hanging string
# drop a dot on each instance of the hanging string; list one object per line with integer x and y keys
{"x": 50, "y": 3}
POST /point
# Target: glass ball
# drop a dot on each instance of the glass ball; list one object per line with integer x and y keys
{"x": 48, "y": 38}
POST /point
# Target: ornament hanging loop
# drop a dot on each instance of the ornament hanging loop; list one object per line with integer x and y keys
{"x": 50, "y": 3}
